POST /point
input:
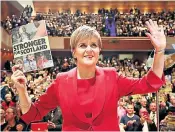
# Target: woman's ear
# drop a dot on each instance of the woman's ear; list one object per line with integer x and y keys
{"x": 73, "y": 53}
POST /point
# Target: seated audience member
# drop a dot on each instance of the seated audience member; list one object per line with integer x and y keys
{"x": 130, "y": 121}
{"x": 146, "y": 124}
{"x": 12, "y": 121}
{"x": 172, "y": 100}
{"x": 121, "y": 110}
{"x": 5, "y": 90}
{"x": 153, "y": 113}
{"x": 163, "y": 110}
{"x": 8, "y": 102}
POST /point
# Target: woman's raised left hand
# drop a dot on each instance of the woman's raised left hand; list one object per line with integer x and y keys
{"x": 156, "y": 35}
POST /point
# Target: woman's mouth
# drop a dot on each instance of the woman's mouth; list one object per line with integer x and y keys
{"x": 88, "y": 56}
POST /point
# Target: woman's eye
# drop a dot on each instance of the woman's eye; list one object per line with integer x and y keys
{"x": 93, "y": 45}
{"x": 83, "y": 46}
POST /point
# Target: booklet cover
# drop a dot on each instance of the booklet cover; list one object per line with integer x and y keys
{"x": 31, "y": 46}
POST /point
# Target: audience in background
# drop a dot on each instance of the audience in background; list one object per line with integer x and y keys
{"x": 136, "y": 113}
{"x": 39, "y": 80}
{"x": 126, "y": 24}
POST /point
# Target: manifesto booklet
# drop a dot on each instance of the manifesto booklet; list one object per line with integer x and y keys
{"x": 31, "y": 46}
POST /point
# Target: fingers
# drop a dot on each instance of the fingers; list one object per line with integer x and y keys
{"x": 21, "y": 79}
{"x": 155, "y": 24}
{"x": 18, "y": 77}
{"x": 149, "y": 26}
{"x": 150, "y": 36}
{"x": 17, "y": 67}
{"x": 18, "y": 73}
{"x": 151, "y": 23}
{"x": 144, "y": 117}
{"x": 152, "y": 26}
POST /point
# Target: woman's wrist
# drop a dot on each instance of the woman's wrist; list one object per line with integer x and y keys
{"x": 159, "y": 51}
{"x": 26, "y": 105}
{"x": 24, "y": 99}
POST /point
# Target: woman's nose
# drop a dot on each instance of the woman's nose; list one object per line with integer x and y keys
{"x": 88, "y": 48}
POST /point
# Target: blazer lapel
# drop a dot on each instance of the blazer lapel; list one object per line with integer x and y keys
{"x": 72, "y": 96}
{"x": 100, "y": 92}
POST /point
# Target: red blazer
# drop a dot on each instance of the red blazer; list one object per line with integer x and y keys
{"x": 109, "y": 87}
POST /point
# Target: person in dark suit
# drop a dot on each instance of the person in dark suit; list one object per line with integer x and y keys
{"x": 163, "y": 111}
{"x": 54, "y": 119}
{"x": 87, "y": 94}
{"x": 146, "y": 124}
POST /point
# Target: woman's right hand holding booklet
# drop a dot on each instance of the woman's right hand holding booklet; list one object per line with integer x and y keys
{"x": 19, "y": 78}
{"x": 20, "y": 82}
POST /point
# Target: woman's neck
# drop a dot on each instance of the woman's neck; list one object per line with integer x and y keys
{"x": 85, "y": 72}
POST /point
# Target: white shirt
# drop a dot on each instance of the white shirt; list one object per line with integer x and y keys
{"x": 145, "y": 127}
{"x": 155, "y": 117}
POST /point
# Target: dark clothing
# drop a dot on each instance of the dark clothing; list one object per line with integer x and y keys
{"x": 7, "y": 65}
{"x": 3, "y": 126}
{"x": 54, "y": 116}
{"x": 137, "y": 108}
{"x": 132, "y": 127}
{"x": 151, "y": 127}
{"x": 162, "y": 113}
{"x": 10, "y": 128}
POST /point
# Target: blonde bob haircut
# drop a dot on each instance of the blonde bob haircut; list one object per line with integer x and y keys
{"x": 84, "y": 32}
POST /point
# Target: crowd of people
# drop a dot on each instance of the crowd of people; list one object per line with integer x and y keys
{"x": 63, "y": 23}
{"x": 126, "y": 24}
{"x": 17, "y": 21}
{"x": 136, "y": 113}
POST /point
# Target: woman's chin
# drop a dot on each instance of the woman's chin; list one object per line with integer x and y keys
{"x": 89, "y": 63}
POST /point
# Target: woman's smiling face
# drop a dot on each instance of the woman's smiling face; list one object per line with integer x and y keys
{"x": 87, "y": 51}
